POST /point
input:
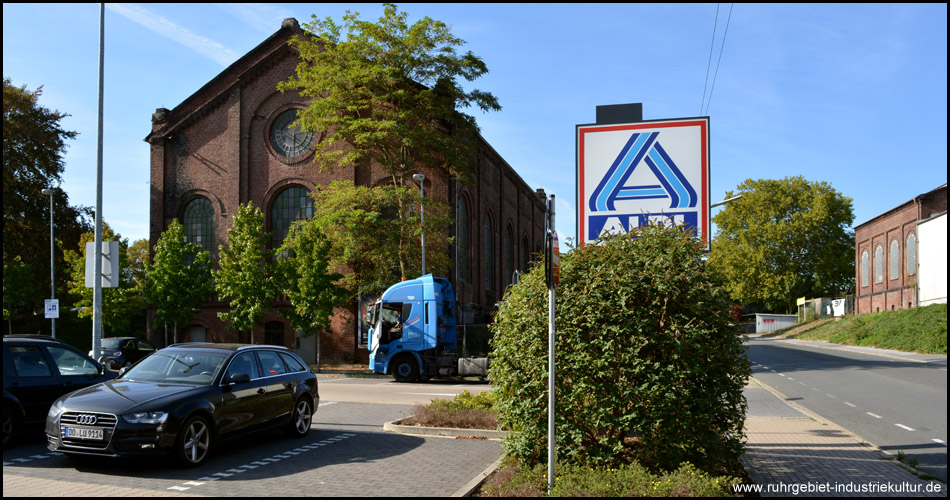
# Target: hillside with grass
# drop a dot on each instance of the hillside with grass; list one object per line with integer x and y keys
{"x": 919, "y": 329}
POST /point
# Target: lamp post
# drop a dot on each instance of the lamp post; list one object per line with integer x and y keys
{"x": 422, "y": 212}
{"x": 52, "y": 259}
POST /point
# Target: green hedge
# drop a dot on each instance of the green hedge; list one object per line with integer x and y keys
{"x": 648, "y": 367}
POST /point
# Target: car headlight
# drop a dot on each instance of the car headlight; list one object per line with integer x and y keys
{"x": 55, "y": 410}
{"x": 148, "y": 417}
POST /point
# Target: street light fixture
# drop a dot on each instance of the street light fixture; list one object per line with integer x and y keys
{"x": 422, "y": 212}
{"x": 52, "y": 261}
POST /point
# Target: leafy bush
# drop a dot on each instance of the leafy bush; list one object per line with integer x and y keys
{"x": 466, "y": 411}
{"x": 648, "y": 368}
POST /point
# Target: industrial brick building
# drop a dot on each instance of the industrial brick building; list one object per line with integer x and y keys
{"x": 887, "y": 263}
{"x": 231, "y": 142}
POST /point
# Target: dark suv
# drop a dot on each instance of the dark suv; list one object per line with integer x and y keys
{"x": 36, "y": 372}
{"x": 119, "y": 352}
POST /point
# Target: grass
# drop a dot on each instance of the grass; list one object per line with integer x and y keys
{"x": 630, "y": 480}
{"x": 466, "y": 411}
{"x": 918, "y": 329}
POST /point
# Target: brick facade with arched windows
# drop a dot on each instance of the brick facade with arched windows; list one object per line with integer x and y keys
{"x": 220, "y": 145}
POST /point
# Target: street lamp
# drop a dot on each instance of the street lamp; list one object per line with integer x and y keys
{"x": 52, "y": 267}
{"x": 422, "y": 212}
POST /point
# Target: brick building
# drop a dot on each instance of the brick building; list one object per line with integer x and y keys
{"x": 886, "y": 254}
{"x": 231, "y": 142}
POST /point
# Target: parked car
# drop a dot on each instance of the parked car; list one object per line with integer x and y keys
{"x": 120, "y": 352}
{"x": 183, "y": 399}
{"x": 36, "y": 371}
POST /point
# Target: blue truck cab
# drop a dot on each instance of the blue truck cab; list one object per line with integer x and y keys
{"x": 413, "y": 331}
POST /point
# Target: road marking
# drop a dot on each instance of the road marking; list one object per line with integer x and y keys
{"x": 849, "y": 404}
{"x": 873, "y": 415}
{"x": 429, "y": 394}
{"x": 179, "y": 488}
{"x": 781, "y": 374}
{"x": 939, "y": 441}
{"x": 328, "y": 403}
{"x": 831, "y": 396}
{"x": 902, "y": 426}
{"x": 802, "y": 383}
{"x": 790, "y": 378}
{"x": 193, "y": 483}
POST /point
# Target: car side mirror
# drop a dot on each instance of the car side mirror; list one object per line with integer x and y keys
{"x": 238, "y": 378}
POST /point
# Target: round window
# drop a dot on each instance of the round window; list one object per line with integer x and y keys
{"x": 288, "y": 140}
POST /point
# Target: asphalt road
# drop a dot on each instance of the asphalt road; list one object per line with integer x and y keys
{"x": 895, "y": 401}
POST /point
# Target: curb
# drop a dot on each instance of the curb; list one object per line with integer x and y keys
{"x": 476, "y": 482}
{"x": 397, "y": 427}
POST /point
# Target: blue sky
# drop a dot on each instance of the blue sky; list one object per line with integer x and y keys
{"x": 854, "y": 95}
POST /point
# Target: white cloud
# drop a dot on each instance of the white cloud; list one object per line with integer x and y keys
{"x": 161, "y": 25}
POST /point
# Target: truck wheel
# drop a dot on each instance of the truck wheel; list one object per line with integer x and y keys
{"x": 406, "y": 369}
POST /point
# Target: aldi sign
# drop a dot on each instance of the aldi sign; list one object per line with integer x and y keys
{"x": 631, "y": 174}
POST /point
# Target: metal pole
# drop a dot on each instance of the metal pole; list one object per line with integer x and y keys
{"x": 550, "y": 251}
{"x": 52, "y": 258}
{"x": 97, "y": 277}
{"x": 420, "y": 178}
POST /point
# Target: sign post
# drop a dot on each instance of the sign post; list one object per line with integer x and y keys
{"x": 632, "y": 174}
{"x": 551, "y": 263}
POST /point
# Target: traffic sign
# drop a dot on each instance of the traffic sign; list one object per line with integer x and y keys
{"x": 52, "y": 308}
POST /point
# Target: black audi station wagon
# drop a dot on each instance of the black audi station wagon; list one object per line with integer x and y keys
{"x": 184, "y": 399}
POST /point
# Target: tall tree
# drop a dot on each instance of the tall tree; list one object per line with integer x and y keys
{"x": 304, "y": 277}
{"x": 17, "y": 287}
{"x": 785, "y": 239}
{"x": 369, "y": 239}
{"x": 389, "y": 92}
{"x": 246, "y": 275}
{"x": 178, "y": 279}
{"x": 34, "y": 143}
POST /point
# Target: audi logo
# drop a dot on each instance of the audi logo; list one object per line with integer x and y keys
{"x": 87, "y": 419}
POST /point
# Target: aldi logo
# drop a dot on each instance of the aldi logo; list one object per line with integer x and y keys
{"x": 631, "y": 174}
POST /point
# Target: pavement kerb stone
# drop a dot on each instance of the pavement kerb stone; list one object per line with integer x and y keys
{"x": 396, "y": 426}
{"x": 471, "y": 486}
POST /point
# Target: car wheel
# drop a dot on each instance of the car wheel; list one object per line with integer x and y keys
{"x": 301, "y": 418}
{"x": 194, "y": 442}
{"x": 11, "y": 424}
{"x": 406, "y": 369}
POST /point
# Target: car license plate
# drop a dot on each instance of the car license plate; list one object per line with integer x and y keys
{"x": 82, "y": 433}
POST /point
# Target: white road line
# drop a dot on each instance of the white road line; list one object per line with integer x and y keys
{"x": 790, "y": 378}
{"x": 831, "y": 396}
{"x": 873, "y": 415}
{"x": 940, "y": 441}
{"x": 179, "y": 488}
{"x": 781, "y": 374}
{"x": 849, "y": 404}
{"x": 902, "y": 426}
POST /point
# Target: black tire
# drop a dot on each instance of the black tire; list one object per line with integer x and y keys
{"x": 406, "y": 369}
{"x": 193, "y": 444}
{"x": 301, "y": 418}
{"x": 11, "y": 425}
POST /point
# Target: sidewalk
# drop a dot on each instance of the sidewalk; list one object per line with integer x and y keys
{"x": 791, "y": 451}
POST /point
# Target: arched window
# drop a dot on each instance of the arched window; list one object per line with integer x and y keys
{"x": 524, "y": 254}
{"x": 198, "y": 222}
{"x": 509, "y": 256}
{"x": 489, "y": 268}
{"x": 879, "y": 264}
{"x": 292, "y": 204}
{"x": 864, "y": 268}
{"x": 911, "y": 252}
{"x": 465, "y": 242}
{"x": 895, "y": 259}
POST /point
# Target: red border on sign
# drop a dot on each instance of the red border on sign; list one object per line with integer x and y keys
{"x": 703, "y": 124}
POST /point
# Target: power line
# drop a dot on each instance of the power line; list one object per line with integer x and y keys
{"x": 721, "y": 46}
{"x": 709, "y": 62}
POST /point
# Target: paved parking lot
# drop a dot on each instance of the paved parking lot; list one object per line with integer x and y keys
{"x": 346, "y": 454}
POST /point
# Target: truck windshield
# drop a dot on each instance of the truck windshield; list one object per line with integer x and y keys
{"x": 390, "y": 322}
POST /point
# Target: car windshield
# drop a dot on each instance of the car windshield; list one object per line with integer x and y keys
{"x": 111, "y": 343}
{"x": 187, "y": 366}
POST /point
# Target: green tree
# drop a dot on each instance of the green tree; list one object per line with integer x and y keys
{"x": 17, "y": 291}
{"x": 120, "y": 305}
{"x": 648, "y": 366}
{"x": 389, "y": 92}
{"x": 246, "y": 275}
{"x": 34, "y": 143}
{"x": 785, "y": 239}
{"x": 178, "y": 279}
{"x": 369, "y": 237}
{"x": 304, "y": 276}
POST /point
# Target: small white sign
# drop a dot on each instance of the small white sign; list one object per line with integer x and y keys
{"x": 52, "y": 308}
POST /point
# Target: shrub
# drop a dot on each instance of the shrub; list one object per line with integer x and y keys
{"x": 648, "y": 366}
{"x": 466, "y": 411}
